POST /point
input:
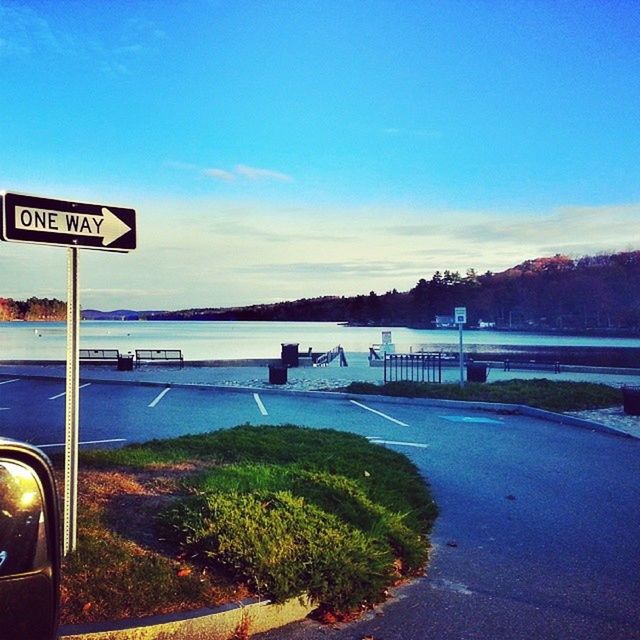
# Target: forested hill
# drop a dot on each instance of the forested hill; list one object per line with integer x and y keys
{"x": 559, "y": 293}
{"x": 32, "y": 309}
{"x": 593, "y": 293}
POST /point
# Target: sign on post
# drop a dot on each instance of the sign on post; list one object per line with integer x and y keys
{"x": 460, "y": 317}
{"x": 38, "y": 220}
{"x": 387, "y": 346}
{"x": 76, "y": 225}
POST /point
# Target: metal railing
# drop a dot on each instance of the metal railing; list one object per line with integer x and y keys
{"x": 329, "y": 356}
{"x": 413, "y": 367}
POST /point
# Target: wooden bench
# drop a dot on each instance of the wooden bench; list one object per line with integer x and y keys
{"x": 99, "y": 355}
{"x": 156, "y": 355}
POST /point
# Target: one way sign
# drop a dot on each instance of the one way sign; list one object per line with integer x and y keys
{"x": 64, "y": 223}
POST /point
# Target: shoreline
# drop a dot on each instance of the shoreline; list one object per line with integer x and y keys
{"x": 595, "y": 332}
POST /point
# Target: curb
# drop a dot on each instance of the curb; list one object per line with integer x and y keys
{"x": 249, "y": 616}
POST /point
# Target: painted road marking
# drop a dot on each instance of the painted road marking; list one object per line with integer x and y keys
{"x": 263, "y": 409}
{"x": 159, "y": 397}
{"x": 471, "y": 419}
{"x": 379, "y": 413}
{"x": 417, "y": 445}
{"x": 62, "y": 444}
{"x": 9, "y": 381}
{"x": 64, "y": 393}
{"x": 4, "y": 408}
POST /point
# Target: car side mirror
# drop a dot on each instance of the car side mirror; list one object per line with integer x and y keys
{"x": 29, "y": 544}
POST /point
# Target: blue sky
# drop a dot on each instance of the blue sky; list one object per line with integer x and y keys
{"x": 278, "y": 149}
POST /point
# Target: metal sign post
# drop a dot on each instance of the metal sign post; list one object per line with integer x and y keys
{"x": 460, "y": 315}
{"x": 76, "y": 225}
{"x": 461, "y": 356}
{"x": 70, "y": 528}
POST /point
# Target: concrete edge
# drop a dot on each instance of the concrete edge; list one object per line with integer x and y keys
{"x": 233, "y": 362}
{"x": 34, "y": 363}
{"x": 265, "y": 362}
{"x": 252, "y": 616}
{"x": 495, "y": 407}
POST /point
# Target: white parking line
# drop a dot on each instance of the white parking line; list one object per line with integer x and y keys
{"x": 159, "y": 397}
{"x": 61, "y": 444}
{"x": 263, "y": 409}
{"x": 9, "y": 381}
{"x": 417, "y": 445}
{"x": 471, "y": 419}
{"x": 64, "y": 393}
{"x": 4, "y": 408}
{"x": 379, "y": 413}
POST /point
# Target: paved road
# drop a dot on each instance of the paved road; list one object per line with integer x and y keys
{"x": 539, "y": 532}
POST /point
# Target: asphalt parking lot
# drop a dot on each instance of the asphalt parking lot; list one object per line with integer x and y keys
{"x": 111, "y": 414}
{"x": 539, "y": 527}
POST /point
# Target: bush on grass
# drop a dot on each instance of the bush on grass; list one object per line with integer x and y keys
{"x": 282, "y": 546}
{"x": 334, "y": 494}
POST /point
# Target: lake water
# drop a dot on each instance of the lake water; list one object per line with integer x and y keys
{"x": 226, "y": 340}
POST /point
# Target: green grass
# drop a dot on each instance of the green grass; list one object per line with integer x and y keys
{"x": 328, "y": 450}
{"x": 541, "y": 393}
{"x": 289, "y": 510}
{"x": 108, "y": 577}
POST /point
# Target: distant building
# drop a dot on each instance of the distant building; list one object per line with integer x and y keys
{"x": 486, "y": 325}
{"x": 444, "y": 322}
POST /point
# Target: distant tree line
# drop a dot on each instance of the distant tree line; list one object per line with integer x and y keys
{"x": 592, "y": 293}
{"x": 559, "y": 293}
{"x": 32, "y": 309}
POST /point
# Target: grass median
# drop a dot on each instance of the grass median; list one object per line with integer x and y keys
{"x": 271, "y": 511}
{"x": 542, "y": 393}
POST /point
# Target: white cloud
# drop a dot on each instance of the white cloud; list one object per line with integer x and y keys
{"x": 219, "y": 174}
{"x": 238, "y": 172}
{"x": 127, "y": 293}
{"x": 254, "y": 173}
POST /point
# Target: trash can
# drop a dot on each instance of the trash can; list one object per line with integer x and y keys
{"x": 289, "y": 355}
{"x": 476, "y": 372}
{"x": 631, "y": 400}
{"x": 277, "y": 374}
{"x": 125, "y": 363}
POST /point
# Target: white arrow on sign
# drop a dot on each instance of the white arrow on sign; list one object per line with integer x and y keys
{"x": 107, "y": 226}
